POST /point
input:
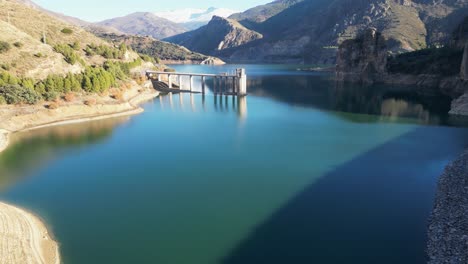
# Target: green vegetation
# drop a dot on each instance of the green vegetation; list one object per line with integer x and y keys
{"x": 107, "y": 51}
{"x": 147, "y": 58}
{"x": 76, "y": 46}
{"x": 15, "y": 94}
{"x": 159, "y": 50}
{"x": 69, "y": 53}
{"x": 67, "y": 31}
{"x": 439, "y": 61}
{"x": 4, "y": 47}
{"x": 93, "y": 80}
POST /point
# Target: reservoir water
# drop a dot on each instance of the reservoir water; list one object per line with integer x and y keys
{"x": 300, "y": 171}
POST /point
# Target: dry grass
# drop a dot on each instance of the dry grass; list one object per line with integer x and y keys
{"x": 90, "y": 102}
{"x": 69, "y": 97}
{"x": 52, "y": 105}
{"x": 116, "y": 94}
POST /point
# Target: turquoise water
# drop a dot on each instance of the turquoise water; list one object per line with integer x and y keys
{"x": 300, "y": 171}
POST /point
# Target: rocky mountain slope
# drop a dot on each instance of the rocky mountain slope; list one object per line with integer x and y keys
{"x": 193, "y": 18}
{"x": 219, "y": 34}
{"x": 144, "y": 24}
{"x": 311, "y": 30}
{"x": 256, "y": 15}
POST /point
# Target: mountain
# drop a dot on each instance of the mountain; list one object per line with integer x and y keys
{"x": 145, "y": 24}
{"x": 219, "y": 34}
{"x": 157, "y": 49}
{"x": 310, "y": 31}
{"x": 29, "y": 55}
{"x": 192, "y": 18}
{"x": 259, "y": 14}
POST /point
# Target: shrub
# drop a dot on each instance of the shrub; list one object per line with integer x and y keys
{"x": 67, "y": 31}
{"x": 18, "y": 44}
{"x": 15, "y": 94}
{"x": 68, "y": 53}
{"x": 2, "y": 100}
{"x": 76, "y": 45}
{"x": 6, "y": 67}
{"x": 52, "y": 106}
{"x": 106, "y": 51}
{"x": 117, "y": 94}
{"x": 90, "y": 102}
{"x": 4, "y": 46}
{"x": 51, "y": 95}
{"x": 69, "y": 97}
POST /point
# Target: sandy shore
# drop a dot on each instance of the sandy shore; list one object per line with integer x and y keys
{"x": 24, "y": 238}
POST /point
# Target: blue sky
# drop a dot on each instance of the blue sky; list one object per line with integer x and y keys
{"x": 97, "y": 10}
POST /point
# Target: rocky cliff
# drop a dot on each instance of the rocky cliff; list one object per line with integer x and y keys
{"x": 363, "y": 59}
{"x": 311, "y": 30}
{"x": 218, "y": 35}
{"x": 464, "y": 67}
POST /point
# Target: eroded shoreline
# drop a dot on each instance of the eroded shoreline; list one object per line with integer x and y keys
{"x": 24, "y": 238}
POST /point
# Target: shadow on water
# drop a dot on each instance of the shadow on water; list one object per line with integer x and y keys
{"x": 347, "y": 217}
{"x": 31, "y": 150}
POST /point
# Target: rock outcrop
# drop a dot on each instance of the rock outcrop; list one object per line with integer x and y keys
{"x": 464, "y": 66}
{"x": 219, "y": 34}
{"x": 363, "y": 59}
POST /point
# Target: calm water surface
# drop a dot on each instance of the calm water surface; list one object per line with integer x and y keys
{"x": 300, "y": 171}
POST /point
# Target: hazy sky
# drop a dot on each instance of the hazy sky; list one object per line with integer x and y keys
{"x": 97, "y": 10}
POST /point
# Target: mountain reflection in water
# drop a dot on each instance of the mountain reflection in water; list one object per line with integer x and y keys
{"x": 38, "y": 147}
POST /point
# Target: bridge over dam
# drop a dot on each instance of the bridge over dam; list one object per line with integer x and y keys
{"x": 234, "y": 84}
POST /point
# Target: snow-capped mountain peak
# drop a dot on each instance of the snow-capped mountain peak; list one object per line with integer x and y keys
{"x": 194, "y": 16}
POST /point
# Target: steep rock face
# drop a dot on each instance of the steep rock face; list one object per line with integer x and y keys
{"x": 363, "y": 59}
{"x": 464, "y": 67}
{"x": 218, "y": 35}
{"x": 315, "y": 28}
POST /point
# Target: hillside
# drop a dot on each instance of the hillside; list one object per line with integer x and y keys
{"x": 44, "y": 58}
{"x": 310, "y": 31}
{"x": 193, "y": 18}
{"x": 144, "y": 24}
{"x": 253, "y": 16}
{"x": 218, "y": 35}
{"x": 157, "y": 49}
{"x": 28, "y": 55}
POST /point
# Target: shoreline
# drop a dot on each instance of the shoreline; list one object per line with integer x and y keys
{"x": 24, "y": 238}
{"x": 72, "y": 114}
{"x": 447, "y": 232}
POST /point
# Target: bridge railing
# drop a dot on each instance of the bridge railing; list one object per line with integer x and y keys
{"x": 223, "y": 83}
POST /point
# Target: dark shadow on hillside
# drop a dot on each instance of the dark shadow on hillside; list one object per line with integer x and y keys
{"x": 364, "y": 212}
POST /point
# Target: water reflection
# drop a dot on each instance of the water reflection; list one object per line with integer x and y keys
{"x": 390, "y": 103}
{"x": 197, "y": 102}
{"x": 31, "y": 150}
